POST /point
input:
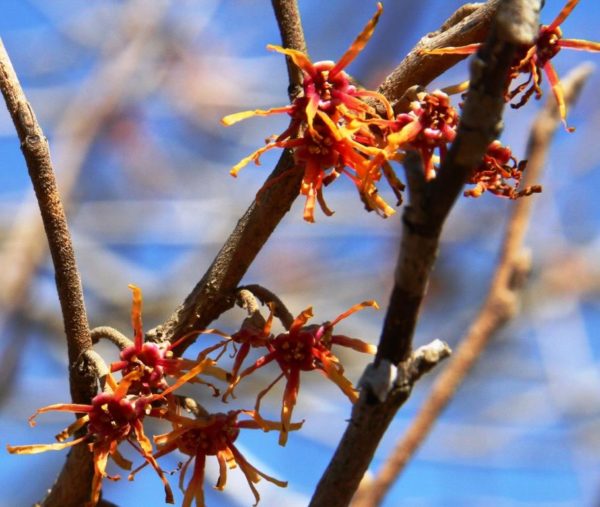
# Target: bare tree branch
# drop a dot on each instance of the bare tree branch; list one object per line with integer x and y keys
{"x": 499, "y": 307}
{"x": 480, "y": 124}
{"x": 469, "y": 24}
{"x": 37, "y": 156}
{"x": 68, "y": 283}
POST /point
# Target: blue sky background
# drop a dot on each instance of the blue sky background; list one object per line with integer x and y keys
{"x": 130, "y": 94}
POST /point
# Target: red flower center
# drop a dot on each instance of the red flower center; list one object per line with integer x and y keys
{"x": 217, "y": 436}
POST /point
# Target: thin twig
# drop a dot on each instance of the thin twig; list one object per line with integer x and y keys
{"x": 480, "y": 124}
{"x": 499, "y": 307}
{"x": 215, "y": 293}
{"x": 112, "y": 335}
{"x": 266, "y": 296}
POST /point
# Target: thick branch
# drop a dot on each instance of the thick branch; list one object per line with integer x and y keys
{"x": 468, "y": 25}
{"x": 480, "y": 124}
{"x": 499, "y": 307}
{"x": 37, "y": 157}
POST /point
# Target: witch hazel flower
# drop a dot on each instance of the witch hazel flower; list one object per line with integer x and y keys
{"x": 212, "y": 435}
{"x": 112, "y": 417}
{"x": 329, "y": 131}
{"x": 534, "y": 61}
{"x": 155, "y": 361}
{"x": 306, "y": 348}
{"x": 496, "y": 169}
{"x": 428, "y": 128}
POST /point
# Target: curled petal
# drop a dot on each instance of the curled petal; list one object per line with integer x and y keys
{"x": 301, "y": 319}
{"x": 354, "y": 309}
{"x": 333, "y": 372}
{"x": 290, "y": 395}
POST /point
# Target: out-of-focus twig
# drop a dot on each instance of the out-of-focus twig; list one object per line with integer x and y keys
{"x": 480, "y": 124}
{"x": 72, "y": 139}
{"x": 499, "y": 306}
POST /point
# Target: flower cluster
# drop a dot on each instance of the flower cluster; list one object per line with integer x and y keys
{"x": 534, "y": 61}
{"x": 331, "y": 130}
{"x": 336, "y": 128}
{"x": 305, "y": 348}
{"x": 118, "y": 414}
{"x": 498, "y": 166}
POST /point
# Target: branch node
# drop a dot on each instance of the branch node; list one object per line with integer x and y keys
{"x": 378, "y": 379}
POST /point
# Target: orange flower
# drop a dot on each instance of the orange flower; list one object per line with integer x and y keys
{"x": 249, "y": 336}
{"x": 498, "y": 166}
{"x": 111, "y": 418}
{"x": 532, "y": 60}
{"x": 429, "y": 126}
{"x": 155, "y": 361}
{"x": 330, "y": 130}
{"x": 306, "y": 348}
{"x": 213, "y": 435}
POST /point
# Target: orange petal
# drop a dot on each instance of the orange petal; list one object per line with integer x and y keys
{"x": 231, "y": 119}
{"x": 255, "y": 156}
{"x": 290, "y": 395}
{"x": 359, "y": 43}
{"x": 579, "y": 45}
{"x": 37, "y": 448}
{"x": 72, "y": 428}
{"x": 301, "y": 319}
{"x": 298, "y": 57}
{"x": 558, "y": 93}
{"x": 337, "y": 377}
{"x": 195, "y": 488}
{"x": 136, "y": 316}
{"x": 59, "y": 407}
{"x": 354, "y": 343}
{"x": 562, "y": 15}
{"x": 354, "y": 309}
{"x": 469, "y": 49}
{"x": 222, "y": 480}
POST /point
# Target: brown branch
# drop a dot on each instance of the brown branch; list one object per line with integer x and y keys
{"x": 469, "y": 24}
{"x": 480, "y": 124}
{"x": 37, "y": 157}
{"x": 499, "y": 307}
{"x": 215, "y": 292}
